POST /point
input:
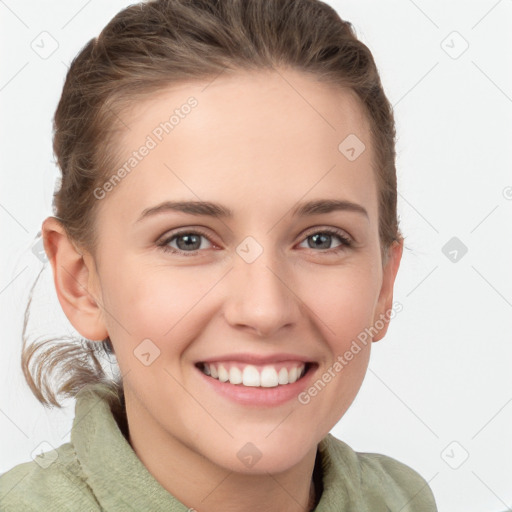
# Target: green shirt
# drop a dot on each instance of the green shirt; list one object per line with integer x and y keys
{"x": 99, "y": 471}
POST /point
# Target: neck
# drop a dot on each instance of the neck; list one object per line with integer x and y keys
{"x": 200, "y": 484}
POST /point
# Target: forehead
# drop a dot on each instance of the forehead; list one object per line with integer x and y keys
{"x": 260, "y": 137}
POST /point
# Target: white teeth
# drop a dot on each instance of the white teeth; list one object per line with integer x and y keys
{"x": 251, "y": 376}
{"x": 223, "y": 374}
{"x": 235, "y": 375}
{"x": 269, "y": 377}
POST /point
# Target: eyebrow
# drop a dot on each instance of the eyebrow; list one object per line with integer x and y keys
{"x": 216, "y": 210}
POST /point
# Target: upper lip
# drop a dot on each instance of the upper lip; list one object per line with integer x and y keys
{"x": 257, "y": 358}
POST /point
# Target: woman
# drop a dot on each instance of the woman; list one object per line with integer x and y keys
{"x": 226, "y": 227}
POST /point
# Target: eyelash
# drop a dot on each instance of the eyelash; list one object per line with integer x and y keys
{"x": 163, "y": 245}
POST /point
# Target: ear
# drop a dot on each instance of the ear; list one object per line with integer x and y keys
{"x": 76, "y": 281}
{"x": 385, "y": 301}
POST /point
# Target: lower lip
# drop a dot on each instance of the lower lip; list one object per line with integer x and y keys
{"x": 259, "y": 396}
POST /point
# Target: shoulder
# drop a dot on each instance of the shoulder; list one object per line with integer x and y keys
{"x": 52, "y": 481}
{"x": 406, "y": 487}
{"x": 382, "y": 479}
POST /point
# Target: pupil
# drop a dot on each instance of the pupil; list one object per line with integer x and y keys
{"x": 325, "y": 239}
{"x": 189, "y": 241}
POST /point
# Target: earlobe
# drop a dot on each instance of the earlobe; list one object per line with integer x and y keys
{"x": 74, "y": 280}
{"x": 385, "y": 302}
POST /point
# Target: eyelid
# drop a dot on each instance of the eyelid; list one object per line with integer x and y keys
{"x": 329, "y": 229}
{"x": 181, "y": 231}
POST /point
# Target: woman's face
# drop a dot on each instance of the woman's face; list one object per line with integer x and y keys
{"x": 260, "y": 295}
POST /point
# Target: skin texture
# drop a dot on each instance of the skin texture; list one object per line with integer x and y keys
{"x": 258, "y": 143}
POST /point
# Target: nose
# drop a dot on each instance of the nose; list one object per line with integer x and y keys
{"x": 260, "y": 297}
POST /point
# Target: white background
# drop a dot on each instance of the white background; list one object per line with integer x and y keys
{"x": 439, "y": 385}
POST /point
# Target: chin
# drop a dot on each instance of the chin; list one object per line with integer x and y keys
{"x": 263, "y": 456}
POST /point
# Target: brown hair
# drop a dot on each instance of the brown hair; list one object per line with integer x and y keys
{"x": 146, "y": 48}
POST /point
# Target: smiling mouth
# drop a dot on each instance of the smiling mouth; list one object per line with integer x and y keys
{"x": 250, "y": 375}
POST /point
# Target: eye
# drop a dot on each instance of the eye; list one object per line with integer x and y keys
{"x": 188, "y": 242}
{"x": 322, "y": 240}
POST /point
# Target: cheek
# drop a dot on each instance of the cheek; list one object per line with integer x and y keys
{"x": 343, "y": 301}
{"x": 156, "y": 303}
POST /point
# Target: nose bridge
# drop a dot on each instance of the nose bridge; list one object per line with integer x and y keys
{"x": 260, "y": 295}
